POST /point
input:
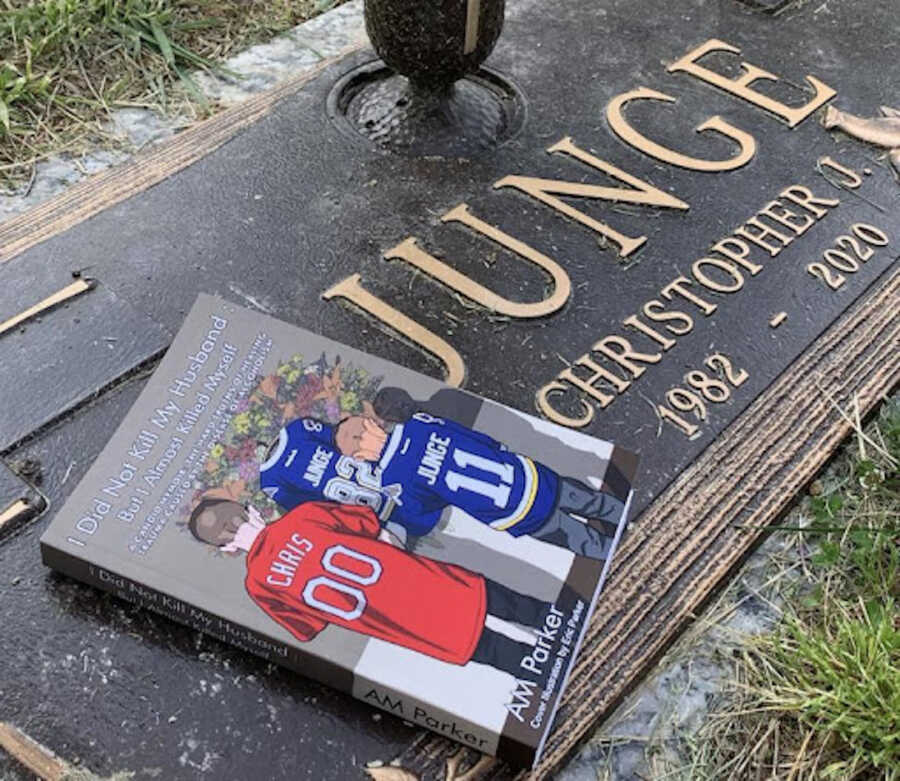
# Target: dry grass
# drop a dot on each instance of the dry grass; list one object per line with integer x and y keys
{"x": 820, "y": 697}
{"x": 66, "y": 64}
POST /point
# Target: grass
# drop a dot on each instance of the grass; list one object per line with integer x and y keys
{"x": 820, "y": 697}
{"x": 66, "y": 64}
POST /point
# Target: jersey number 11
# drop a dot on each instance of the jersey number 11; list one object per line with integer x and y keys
{"x": 498, "y": 492}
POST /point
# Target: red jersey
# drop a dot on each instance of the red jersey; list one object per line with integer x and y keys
{"x": 320, "y": 564}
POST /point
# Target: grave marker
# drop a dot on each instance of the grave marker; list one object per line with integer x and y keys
{"x": 663, "y": 246}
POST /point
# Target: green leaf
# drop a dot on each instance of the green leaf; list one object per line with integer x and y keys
{"x": 875, "y": 610}
{"x": 198, "y": 24}
{"x": 16, "y": 89}
{"x": 829, "y": 554}
{"x": 191, "y": 86}
{"x": 163, "y": 42}
{"x": 4, "y": 115}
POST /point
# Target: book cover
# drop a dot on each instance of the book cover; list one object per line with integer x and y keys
{"x": 435, "y": 554}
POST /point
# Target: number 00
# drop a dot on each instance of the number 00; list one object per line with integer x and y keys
{"x": 357, "y": 594}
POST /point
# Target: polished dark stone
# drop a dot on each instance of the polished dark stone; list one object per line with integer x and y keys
{"x": 293, "y": 205}
{"x": 59, "y": 360}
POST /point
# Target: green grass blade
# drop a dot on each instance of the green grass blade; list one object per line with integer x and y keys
{"x": 162, "y": 40}
{"x": 191, "y": 86}
{"x": 205, "y": 23}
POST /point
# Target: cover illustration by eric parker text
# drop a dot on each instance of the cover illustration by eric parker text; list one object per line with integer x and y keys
{"x": 435, "y": 554}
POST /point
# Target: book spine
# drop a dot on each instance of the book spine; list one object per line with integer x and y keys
{"x": 431, "y": 717}
{"x": 178, "y": 610}
{"x": 373, "y": 693}
{"x": 601, "y": 583}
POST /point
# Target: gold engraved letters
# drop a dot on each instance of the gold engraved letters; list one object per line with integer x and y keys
{"x": 571, "y": 398}
{"x": 630, "y": 136}
{"x": 741, "y": 86}
{"x": 409, "y": 251}
{"x": 614, "y": 362}
{"x": 639, "y": 192}
{"x": 351, "y": 289}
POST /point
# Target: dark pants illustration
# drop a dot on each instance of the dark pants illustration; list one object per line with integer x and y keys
{"x": 497, "y": 649}
{"x": 566, "y": 528}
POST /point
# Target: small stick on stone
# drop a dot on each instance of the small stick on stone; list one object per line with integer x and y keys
{"x": 390, "y": 773}
{"x": 32, "y": 755}
{"x": 14, "y": 512}
{"x": 41, "y": 761}
{"x": 894, "y": 157}
{"x": 473, "y": 12}
{"x": 78, "y": 287}
{"x": 475, "y": 772}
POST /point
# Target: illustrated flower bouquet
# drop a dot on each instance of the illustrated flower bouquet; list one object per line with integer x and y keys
{"x": 323, "y": 390}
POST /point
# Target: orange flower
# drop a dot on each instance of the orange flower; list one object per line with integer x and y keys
{"x": 269, "y": 386}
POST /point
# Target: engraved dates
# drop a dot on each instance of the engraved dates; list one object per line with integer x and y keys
{"x": 849, "y": 251}
{"x": 711, "y": 385}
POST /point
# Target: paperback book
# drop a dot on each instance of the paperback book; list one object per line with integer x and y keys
{"x": 434, "y": 554}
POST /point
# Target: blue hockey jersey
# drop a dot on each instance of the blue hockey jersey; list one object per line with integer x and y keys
{"x": 305, "y": 466}
{"x": 427, "y": 464}
{"x": 440, "y": 463}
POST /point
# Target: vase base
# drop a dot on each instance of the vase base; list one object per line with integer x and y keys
{"x": 469, "y": 117}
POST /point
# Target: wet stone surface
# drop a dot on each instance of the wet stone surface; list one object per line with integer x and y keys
{"x": 163, "y": 701}
{"x": 471, "y": 116}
